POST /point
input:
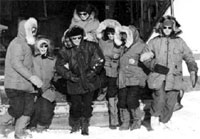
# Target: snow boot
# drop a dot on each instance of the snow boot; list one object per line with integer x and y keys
{"x": 84, "y": 126}
{"x": 125, "y": 119}
{"x": 75, "y": 124}
{"x": 155, "y": 123}
{"x": 137, "y": 118}
{"x": 20, "y": 127}
{"x": 113, "y": 113}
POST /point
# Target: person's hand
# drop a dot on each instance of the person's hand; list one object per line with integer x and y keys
{"x": 146, "y": 56}
{"x": 91, "y": 74}
{"x": 74, "y": 79}
{"x": 193, "y": 78}
{"x": 36, "y": 81}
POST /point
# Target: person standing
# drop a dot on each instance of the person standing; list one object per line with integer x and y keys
{"x": 44, "y": 67}
{"x": 111, "y": 51}
{"x": 164, "y": 56}
{"x": 19, "y": 78}
{"x": 131, "y": 79}
{"x": 80, "y": 63}
{"x": 85, "y": 16}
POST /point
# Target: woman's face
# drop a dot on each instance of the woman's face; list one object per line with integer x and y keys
{"x": 76, "y": 39}
{"x": 83, "y": 15}
{"x": 110, "y": 35}
{"x": 42, "y": 47}
{"x": 167, "y": 30}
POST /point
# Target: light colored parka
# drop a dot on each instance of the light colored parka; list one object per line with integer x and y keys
{"x": 18, "y": 63}
{"x": 130, "y": 74}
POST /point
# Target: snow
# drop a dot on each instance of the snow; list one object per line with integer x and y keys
{"x": 184, "y": 124}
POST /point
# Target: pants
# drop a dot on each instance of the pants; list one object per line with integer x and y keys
{"x": 43, "y": 112}
{"x": 20, "y": 103}
{"x": 163, "y": 103}
{"x": 129, "y": 97}
{"x": 81, "y": 105}
{"x": 112, "y": 89}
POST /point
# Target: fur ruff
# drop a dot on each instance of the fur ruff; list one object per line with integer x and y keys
{"x": 29, "y": 24}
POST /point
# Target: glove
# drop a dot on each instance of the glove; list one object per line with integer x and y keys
{"x": 74, "y": 78}
{"x": 146, "y": 56}
{"x": 193, "y": 78}
{"x": 91, "y": 74}
{"x": 36, "y": 81}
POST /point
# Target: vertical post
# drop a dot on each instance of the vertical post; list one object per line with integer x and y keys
{"x": 45, "y": 8}
{"x": 141, "y": 17}
{"x": 131, "y": 10}
{"x": 172, "y": 8}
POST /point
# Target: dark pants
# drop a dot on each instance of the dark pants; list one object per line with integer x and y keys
{"x": 129, "y": 97}
{"x": 20, "y": 103}
{"x": 81, "y": 105}
{"x": 163, "y": 103}
{"x": 112, "y": 89}
{"x": 43, "y": 112}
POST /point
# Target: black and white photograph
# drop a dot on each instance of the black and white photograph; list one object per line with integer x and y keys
{"x": 96, "y": 69}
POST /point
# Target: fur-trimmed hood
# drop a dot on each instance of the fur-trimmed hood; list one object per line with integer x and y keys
{"x": 132, "y": 35}
{"x": 76, "y": 17}
{"x": 25, "y": 30}
{"x": 108, "y": 23}
{"x": 176, "y": 26}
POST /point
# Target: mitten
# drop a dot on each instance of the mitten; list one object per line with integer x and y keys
{"x": 36, "y": 81}
{"x": 146, "y": 56}
{"x": 193, "y": 78}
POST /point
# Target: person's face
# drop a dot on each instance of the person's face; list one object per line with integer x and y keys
{"x": 43, "y": 48}
{"x": 83, "y": 15}
{"x": 76, "y": 39}
{"x": 167, "y": 30}
{"x": 110, "y": 35}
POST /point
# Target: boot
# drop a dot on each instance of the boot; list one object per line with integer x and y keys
{"x": 20, "y": 127}
{"x": 155, "y": 123}
{"x": 137, "y": 118}
{"x": 125, "y": 119}
{"x": 84, "y": 126}
{"x": 113, "y": 113}
{"x": 75, "y": 124}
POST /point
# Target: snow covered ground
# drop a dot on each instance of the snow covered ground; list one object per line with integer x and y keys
{"x": 183, "y": 125}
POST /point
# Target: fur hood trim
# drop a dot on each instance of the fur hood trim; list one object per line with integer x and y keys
{"x": 176, "y": 26}
{"x": 132, "y": 35}
{"x": 106, "y": 23}
{"x": 76, "y": 17}
{"x": 28, "y": 25}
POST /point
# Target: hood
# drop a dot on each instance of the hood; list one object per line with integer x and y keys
{"x": 76, "y": 17}
{"x": 176, "y": 26}
{"x": 25, "y": 30}
{"x": 108, "y": 23}
{"x": 132, "y": 35}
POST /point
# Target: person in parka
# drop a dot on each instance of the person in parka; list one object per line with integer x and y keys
{"x": 106, "y": 36}
{"x": 86, "y": 16}
{"x": 131, "y": 79}
{"x": 19, "y": 77}
{"x": 80, "y": 62}
{"x": 44, "y": 67}
{"x": 163, "y": 56}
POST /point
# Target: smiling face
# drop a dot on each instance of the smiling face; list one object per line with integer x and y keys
{"x": 110, "y": 35}
{"x": 76, "y": 39}
{"x": 167, "y": 30}
{"x": 42, "y": 46}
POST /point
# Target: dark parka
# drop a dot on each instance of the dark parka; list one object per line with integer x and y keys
{"x": 79, "y": 62}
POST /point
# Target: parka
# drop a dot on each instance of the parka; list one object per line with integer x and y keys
{"x": 130, "y": 74}
{"x": 80, "y": 62}
{"x": 89, "y": 26}
{"x": 18, "y": 62}
{"x": 170, "y": 52}
{"x": 109, "y": 48}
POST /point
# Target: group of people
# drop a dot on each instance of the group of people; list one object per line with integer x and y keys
{"x": 90, "y": 50}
